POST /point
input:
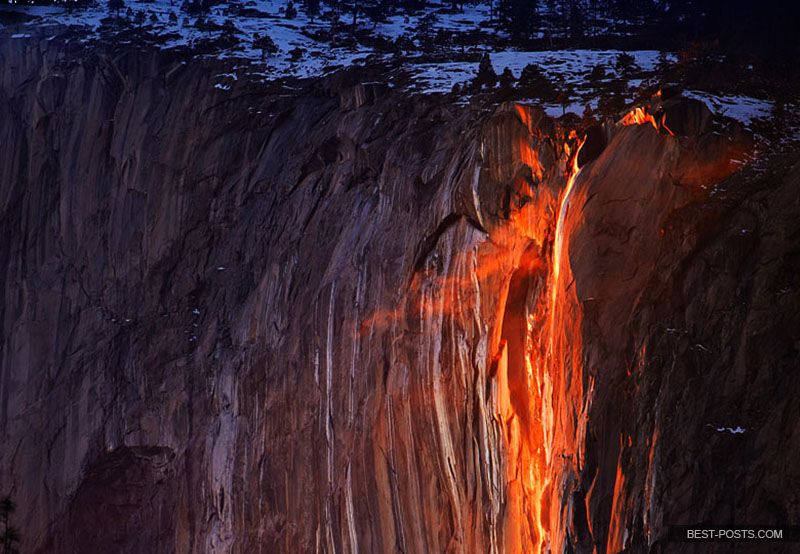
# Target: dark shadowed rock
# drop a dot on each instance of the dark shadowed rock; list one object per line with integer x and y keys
{"x": 686, "y": 116}
{"x": 354, "y": 97}
{"x": 595, "y": 143}
{"x": 125, "y": 503}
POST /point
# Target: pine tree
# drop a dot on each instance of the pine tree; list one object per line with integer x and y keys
{"x": 116, "y": 6}
{"x": 486, "y": 77}
{"x": 576, "y": 19}
{"x": 265, "y": 44}
{"x": 534, "y": 83}
{"x": 625, "y": 63}
{"x": 427, "y": 26}
{"x": 506, "y": 80}
{"x": 519, "y": 18}
{"x": 311, "y": 8}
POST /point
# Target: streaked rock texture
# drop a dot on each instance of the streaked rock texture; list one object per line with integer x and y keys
{"x": 254, "y": 321}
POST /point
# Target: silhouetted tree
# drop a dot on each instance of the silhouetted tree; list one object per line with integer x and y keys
{"x": 426, "y": 31}
{"x": 623, "y": 10}
{"x": 519, "y": 18}
{"x": 506, "y": 80}
{"x": 116, "y": 6}
{"x": 591, "y": 17}
{"x": 597, "y": 73}
{"x": 486, "y": 77}
{"x": 534, "y": 83}
{"x": 266, "y": 45}
{"x": 575, "y": 18}
{"x": 311, "y": 8}
{"x": 588, "y": 116}
{"x": 564, "y": 95}
{"x": 625, "y": 63}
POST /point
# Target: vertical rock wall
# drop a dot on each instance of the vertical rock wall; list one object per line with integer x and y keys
{"x": 244, "y": 322}
{"x": 678, "y": 344}
{"x": 254, "y": 321}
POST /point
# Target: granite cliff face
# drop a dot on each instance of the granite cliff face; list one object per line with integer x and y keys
{"x": 350, "y": 320}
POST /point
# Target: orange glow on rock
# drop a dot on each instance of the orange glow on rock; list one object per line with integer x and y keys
{"x": 558, "y": 246}
{"x": 559, "y": 367}
{"x": 529, "y": 157}
{"x": 616, "y": 531}
{"x": 525, "y": 116}
{"x": 664, "y": 125}
{"x": 639, "y": 116}
{"x": 547, "y": 457}
{"x": 537, "y": 436}
{"x": 541, "y": 393}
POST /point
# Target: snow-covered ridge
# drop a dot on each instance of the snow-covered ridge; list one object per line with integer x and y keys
{"x": 298, "y": 53}
{"x": 571, "y": 67}
{"x": 305, "y": 47}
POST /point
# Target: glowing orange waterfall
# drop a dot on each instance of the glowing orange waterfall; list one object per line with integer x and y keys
{"x": 531, "y": 438}
{"x": 558, "y": 245}
{"x": 554, "y": 373}
{"x": 546, "y": 413}
{"x": 537, "y": 365}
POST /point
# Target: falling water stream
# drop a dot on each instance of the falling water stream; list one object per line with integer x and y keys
{"x": 550, "y": 365}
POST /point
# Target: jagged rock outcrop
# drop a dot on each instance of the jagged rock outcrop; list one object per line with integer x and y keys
{"x": 249, "y": 321}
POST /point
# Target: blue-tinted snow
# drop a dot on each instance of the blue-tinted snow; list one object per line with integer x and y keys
{"x": 288, "y": 34}
{"x": 472, "y": 18}
{"x": 318, "y": 57}
{"x": 733, "y": 431}
{"x": 566, "y": 66}
{"x": 572, "y": 65}
{"x": 742, "y": 108}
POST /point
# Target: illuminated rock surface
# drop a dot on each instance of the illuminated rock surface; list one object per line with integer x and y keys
{"x": 256, "y": 322}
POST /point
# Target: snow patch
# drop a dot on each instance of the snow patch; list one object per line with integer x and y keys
{"x": 299, "y": 54}
{"x": 731, "y": 430}
{"x": 570, "y": 67}
{"x": 739, "y": 107}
